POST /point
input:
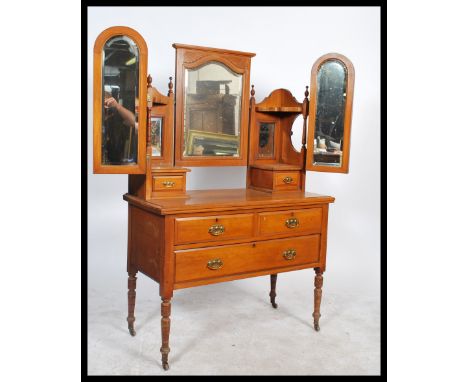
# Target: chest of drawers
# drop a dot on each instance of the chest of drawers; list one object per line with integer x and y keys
{"x": 222, "y": 235}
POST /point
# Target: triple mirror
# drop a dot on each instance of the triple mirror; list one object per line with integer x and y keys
{"x": 212, "y": 113}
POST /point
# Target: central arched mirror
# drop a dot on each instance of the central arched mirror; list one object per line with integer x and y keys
{"x": 212, "y": 106}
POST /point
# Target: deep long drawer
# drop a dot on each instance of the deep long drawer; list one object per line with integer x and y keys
{"x": 212, "y": 262}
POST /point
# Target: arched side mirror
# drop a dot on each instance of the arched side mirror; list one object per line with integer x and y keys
{"x": 119, "y": 133}
{"x": 330, "y": 112}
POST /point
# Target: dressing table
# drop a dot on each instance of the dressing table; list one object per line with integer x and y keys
{"x": 185, "y": 238}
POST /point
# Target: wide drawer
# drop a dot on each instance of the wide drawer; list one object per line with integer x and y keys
{"x": 300, "y": 221}
{"x": 226, "y": 260}
{"x": 213, "y": 228}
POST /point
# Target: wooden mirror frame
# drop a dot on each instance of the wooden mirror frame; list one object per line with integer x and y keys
{"x": 163, "y": 107}
{"x": 347, "y": 116}
{"x": 281, "y": 108}
{"x": 140, "y": 167}
{"x": 189, "y": 57}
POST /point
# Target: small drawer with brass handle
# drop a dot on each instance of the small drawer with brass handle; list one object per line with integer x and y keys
{"x": 198, "y": 229}
{"x": 289, "y": 254}
{"x": 168, "y": 183}
{"x": 215, "y": 264}
{"x": 286, "y": 181}
{"x": 292, "y": 223}
{"x": 216, "y": 229}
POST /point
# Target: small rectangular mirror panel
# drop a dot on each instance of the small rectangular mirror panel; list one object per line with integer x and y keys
{"x": 156, "y": 135}
{"x": 266, "y": 140}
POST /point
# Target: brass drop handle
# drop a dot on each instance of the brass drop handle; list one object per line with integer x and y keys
{"x": 288, "y": 180}
{"x": 168, "y": 184}
{"x": 216, "y": 229}
{"x": 289, "y": 254}
{"x": 292, "y": 222}
{"x": 215, "y": 264}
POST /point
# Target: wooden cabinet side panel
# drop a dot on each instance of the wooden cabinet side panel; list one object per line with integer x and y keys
{"x": 131, "y": 266}
{"x": 136, "y": 185}
{"x": 323, "y": 239}
{"x": 146, "y": 232}
{"x": 166, "y": 286}
{"x": 261, "y": 178}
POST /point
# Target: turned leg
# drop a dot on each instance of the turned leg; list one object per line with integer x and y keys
{"x": 273, "y": 290}
{"x": 317, "y": 297}
{"x": 165, "y": 329}
{"x": 131, "y": 301}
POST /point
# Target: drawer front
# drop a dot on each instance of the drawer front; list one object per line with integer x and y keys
{"x": 286, "y": 180}
{"x": 242, "y": 258}
{"x": 280, "y": 222}
{"x": 213, "y": 228}
{"x": 168, "y": 183}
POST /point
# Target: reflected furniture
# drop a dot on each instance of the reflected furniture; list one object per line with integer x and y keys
{"x": 331, "y": 103}
{"x": 212, "y": 106}
{"x": 183, "y": 239}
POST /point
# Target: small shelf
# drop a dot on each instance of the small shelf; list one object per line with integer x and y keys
{"x": 169, "y": 169}
{"x": 277, "y": 167}
{"x": 280, "y": 109}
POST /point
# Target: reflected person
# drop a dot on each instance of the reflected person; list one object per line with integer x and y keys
{"x": 120, "y": 131}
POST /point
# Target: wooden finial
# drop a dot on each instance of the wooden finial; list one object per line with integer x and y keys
{"x": 171, "y": 85}
{"x": 149, "y": 80}
{"x": 252, "y": 92}
{"x": 305, "y": 113}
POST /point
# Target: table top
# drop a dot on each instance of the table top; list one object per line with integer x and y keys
{"x": 226, "y": 200}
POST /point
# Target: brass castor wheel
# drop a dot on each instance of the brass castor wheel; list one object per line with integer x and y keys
{"x": 317, "y": 327}
{"x": 132, "y": 332}
{"x": 165, "y": 365}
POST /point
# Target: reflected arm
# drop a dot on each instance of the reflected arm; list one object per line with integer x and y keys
{"x": 127, "y": 115}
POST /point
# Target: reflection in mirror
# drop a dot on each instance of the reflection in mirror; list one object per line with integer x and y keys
{"x": 266, "y": 140}
{"x": 156, "y": 136}
{"x": 296, "y": 133}
{"x": 213, "y": 96}
{"x": 120, "y": 101}
{"x": 329, "y": 117}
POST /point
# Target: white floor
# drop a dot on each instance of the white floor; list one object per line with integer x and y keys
{"x": 231, "y": 329}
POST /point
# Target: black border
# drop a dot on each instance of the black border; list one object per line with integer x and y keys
{"x": 85, "y": 153}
